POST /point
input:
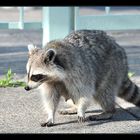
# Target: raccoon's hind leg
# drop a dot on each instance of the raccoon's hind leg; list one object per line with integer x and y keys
{"x": 82, "y": 105}
{"x": 70, "y": 110}
{"x": 107, "y": 102}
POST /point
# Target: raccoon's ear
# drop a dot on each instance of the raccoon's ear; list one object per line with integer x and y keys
{"x": 31, "y": 47}
{"x": 50, "y": 55}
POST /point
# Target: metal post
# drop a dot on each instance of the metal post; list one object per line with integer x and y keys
{"x": 57, "y": 22}
{"x": 107, "y": 10}
{"x": 21, "y": 18}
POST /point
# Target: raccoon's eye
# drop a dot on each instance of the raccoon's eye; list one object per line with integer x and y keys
{"x": 37, "y": 77}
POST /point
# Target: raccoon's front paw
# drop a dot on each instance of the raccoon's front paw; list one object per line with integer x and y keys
{"x": 48, "y": 124}
{"x": 81, "y": 119}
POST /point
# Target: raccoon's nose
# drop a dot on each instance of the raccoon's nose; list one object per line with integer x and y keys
{"x": 27, "y": 88}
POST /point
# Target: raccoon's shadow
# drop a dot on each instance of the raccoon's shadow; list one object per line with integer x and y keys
{"x": 119, "y": 115}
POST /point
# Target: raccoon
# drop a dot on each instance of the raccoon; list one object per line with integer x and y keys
{"x": 84, "y": 66}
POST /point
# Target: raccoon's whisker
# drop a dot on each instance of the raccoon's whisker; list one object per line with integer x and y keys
{"x": 29, "y": 72}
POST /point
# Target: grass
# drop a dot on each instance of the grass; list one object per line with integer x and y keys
{"x": 8, "y": 81}
{"x": 130, "y": 74}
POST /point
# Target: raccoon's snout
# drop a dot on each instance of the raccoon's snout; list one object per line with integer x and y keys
{"x": 27, "y": 88}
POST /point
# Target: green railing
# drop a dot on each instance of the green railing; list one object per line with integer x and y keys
{"x": 59, "y": 21}
{"x": 107, "y": 21}
{"x": 20, "y": 24}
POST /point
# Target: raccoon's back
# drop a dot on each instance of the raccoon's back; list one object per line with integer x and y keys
{"x": 96, "y": 45}
{"x": 87, "y": 38}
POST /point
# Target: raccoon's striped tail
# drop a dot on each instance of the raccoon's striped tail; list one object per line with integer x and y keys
{"x": 130, "y": 92}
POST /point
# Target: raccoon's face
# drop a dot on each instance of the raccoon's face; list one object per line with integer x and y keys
{"x": 43, "y": 66}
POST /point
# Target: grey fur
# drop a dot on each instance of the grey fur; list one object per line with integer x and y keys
{"x": 87, "y": 64}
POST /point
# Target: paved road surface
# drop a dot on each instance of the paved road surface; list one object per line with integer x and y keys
{"x": 21, "y": 111}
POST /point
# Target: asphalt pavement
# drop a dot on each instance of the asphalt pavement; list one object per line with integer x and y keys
{"x": 22, "y": 112}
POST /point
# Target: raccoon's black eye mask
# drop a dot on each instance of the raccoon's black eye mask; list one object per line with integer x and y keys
{"x": 38, "y": 77}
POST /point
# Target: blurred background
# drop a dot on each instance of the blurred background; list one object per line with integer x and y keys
{"x": 13, "y": 42}
{"x": 12, "y": 13}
